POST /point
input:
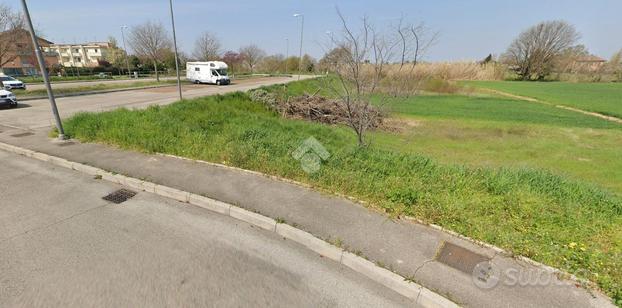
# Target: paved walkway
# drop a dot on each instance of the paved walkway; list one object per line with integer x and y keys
{"x": 61, "y": 245}
{"x": 441, "y": 262}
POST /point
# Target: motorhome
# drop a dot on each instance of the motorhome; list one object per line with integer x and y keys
{"x": 212, "y": 72}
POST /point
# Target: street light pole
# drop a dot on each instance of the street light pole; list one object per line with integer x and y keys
{"x": 44, "y": 72}
{"x": 176, "y": 54}
{"x": 127, "y": 55}
{"x": 286, "y": 55}
{"x": 302, "y": 30}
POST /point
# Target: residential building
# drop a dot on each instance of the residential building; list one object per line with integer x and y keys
{"x": 17, "y": 57}
{"x": 81, "y": 55}
{"x": 588, "y": 64}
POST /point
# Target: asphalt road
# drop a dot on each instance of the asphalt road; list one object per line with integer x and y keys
{"x": 62, "y": 245}
{"x": 37, "y": 114}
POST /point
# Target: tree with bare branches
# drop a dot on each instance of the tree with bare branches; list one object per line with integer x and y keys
{"x": 534, "y": 53}
{"x": 10, "y": 24}
{"x": 207, "y": 47}
{"x": 252, "y": 55}
{"x": 151, "y": 40}
{"x": 360, "y": 58}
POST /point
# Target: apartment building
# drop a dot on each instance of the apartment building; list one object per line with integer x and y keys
{"x": 81, "y": 55}
{"x": 17, "y": 57}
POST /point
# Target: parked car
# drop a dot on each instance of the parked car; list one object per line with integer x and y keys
{"x": 7, "y": 98}
{"x": 10, "y": 83}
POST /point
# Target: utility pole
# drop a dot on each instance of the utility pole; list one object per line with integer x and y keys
{"x": 44, "y": 72}
{"x": 286, "y": 55}
{"x": 176, "y": 55}
{"x": 302, "y": 30}
{"x": 127, "y": 55}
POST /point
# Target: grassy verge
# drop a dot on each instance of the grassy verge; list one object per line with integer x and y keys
{"x": 561, "y": 222}
{"x": 604, "y": 98}
{"x": 93, "y": 88}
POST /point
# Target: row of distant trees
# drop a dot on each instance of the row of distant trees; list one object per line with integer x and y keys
{"x": 152, "y": 46}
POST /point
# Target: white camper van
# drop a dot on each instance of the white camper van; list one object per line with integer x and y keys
{"x": 213, "y": 72}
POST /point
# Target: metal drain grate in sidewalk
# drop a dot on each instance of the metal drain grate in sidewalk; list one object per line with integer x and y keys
{"x": 22, "y": 135}
{"x": 120, "y": 196}
{"x": 459, "y": 258}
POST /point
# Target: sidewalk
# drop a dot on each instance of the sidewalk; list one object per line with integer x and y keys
{"x": 432, "y": 258}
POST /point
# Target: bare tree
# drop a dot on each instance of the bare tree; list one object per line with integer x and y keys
{"x": 11, "y": 23}
{"x": 252, "y": 55}
{"x": 614, "y": 65}
{"x": 151, "y": 40}
{"x": 533, "y": 53}
{"x": 360, "y": 58}
{"x": 207, "y": 47}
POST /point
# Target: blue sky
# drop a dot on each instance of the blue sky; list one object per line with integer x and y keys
{"x": 468, "y": 29}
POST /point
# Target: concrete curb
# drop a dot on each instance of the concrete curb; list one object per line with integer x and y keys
{"x": 94, "y": 92}
{"x": 497, "y": 250}
{"x": 417, "y": 293}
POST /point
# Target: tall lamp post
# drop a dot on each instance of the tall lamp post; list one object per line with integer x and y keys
{"x": 176, "y": 54}
{"x": 302, "y": 30}
{"x": 286, "y": 55}
{"x": 44, "y": 72}
{"x": 127, "y": 55}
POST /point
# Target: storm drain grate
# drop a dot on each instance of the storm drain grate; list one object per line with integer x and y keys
{"x": 459, "y": 258}
{"x": 66, "y": 144}
{"x": 22, "y": 135}
{"x": 120, "y": 196}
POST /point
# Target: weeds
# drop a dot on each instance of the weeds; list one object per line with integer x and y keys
{"x": 531, "y": 212}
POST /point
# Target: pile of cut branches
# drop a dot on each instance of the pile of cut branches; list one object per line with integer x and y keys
{"x": 316, "y": 108}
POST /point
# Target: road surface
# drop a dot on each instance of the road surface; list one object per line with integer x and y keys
{"x": 61, "y": 245}
{"x": 36, "y": 114}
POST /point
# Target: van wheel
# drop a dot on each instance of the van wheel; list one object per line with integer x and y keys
{"x": 217, "y": 82}
{"x": 196, "y": 82}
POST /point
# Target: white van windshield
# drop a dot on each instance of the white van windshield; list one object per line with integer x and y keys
{"x": 222, "y": 72}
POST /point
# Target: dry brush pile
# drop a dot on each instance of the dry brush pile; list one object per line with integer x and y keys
{"x": 315, "y": 108}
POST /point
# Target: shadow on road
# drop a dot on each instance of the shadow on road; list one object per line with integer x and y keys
{"x": 19, "y": 106}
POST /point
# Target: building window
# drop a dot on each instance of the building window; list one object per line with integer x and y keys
{"x": 197, "y": 69}
{"x": 95, "y": 50}
{"x": 76, "y": 50}
{"x": 78, "y": 59}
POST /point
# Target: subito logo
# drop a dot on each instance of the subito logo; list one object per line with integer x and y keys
{"x": 310, "y": 154}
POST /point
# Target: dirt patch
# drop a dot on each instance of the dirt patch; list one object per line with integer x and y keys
{"x": 400, "y": 125}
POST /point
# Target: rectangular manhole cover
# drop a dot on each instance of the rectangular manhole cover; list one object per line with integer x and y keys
{"x": 120, "y": 196}
{"x": 22, "y": 135}
{"x": 459, "y": 258}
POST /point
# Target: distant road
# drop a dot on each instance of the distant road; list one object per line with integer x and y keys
{"x": 36, "y": 113}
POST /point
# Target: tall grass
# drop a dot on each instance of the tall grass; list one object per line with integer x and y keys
{"x": 531, "y": 212}
{"x": 456, "y": 71}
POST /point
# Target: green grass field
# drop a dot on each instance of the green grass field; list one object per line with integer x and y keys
{"x": 604, "y": 98}
{"x": 567, "y": 223}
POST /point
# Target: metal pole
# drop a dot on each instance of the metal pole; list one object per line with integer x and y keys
{"x": 286, "y": 55}
{"x": 175, "y": 44}
{"x": 127, "y": 55}
{"x": 302, "y": 30}
{"x": 44, "y": 72}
